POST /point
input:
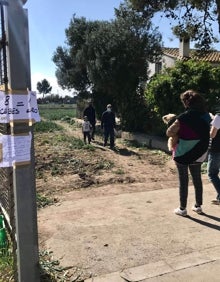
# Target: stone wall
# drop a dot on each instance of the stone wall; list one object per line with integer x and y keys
{"x": 153, "y": 142}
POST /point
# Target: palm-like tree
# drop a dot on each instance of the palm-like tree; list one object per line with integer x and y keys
{"x": 44, "y": 87}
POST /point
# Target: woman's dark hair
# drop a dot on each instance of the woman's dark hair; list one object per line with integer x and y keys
{"x": 193, "y": 100}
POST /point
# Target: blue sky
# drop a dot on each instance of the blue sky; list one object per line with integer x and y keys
{"x": 48, "y": 20}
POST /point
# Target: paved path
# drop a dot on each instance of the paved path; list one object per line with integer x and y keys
{"x": 135, "y": 236}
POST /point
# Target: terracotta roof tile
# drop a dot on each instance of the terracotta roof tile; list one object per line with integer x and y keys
{"x": 209, "y": 56}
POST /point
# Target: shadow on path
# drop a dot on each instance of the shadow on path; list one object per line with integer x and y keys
{"x": 205, "y": 223}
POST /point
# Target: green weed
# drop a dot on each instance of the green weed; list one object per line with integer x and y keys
{"x": 119, "y": 171}
{"x": 6, "y": 261}
{"x": 43, "y": 201}
{"x": 89, "y": 147}
{"x": 52, "y": 271}
{"x": 46, "y": 126}
{"x": 57, "y": 114}
{"x": 6, "y": 267}
{"x": 132, "y": 143}
{"x": 103, "y": 164}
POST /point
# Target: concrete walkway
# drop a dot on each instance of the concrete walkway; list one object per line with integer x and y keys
{"x": 201, "y": 264}
{"x": 135, "y": 236}
{"x": 194, "y": 267}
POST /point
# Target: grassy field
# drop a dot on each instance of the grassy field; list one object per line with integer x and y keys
{"x": 57, "y": 106}
{"x": 57, "y": 112}
{"x": 51, "y": 114}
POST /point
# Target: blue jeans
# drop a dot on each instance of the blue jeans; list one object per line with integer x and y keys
{"x": 213, "y": 171}
{"x": 195, "y": 171}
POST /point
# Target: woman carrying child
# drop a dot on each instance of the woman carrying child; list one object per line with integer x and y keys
{"x": 192, "y": 128}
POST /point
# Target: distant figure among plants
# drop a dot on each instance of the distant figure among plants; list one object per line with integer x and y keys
{"x": 108, "y": 125}
{"x": 86, "y": 129}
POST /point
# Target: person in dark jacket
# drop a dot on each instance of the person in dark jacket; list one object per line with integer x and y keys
{"x": 108, "y": 125}
{"x": 192, "y": 128}
{"x": 91, "y": 115}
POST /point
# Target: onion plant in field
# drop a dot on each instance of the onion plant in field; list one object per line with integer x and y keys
{"x": 46, "y": 126}
{"x": 57, "y": 114}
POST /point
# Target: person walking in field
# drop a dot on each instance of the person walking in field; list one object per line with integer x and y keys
{"x": 91, "y": 115}
{"x": 108, "y": 125}
{"x": 86, "y": 129}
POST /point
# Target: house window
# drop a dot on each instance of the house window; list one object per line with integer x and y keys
{"x": 158, "y": 67}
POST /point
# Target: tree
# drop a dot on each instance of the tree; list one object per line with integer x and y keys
{"x": 163, "y": 91}
{"x": 193, "y": 18}
{"x": 110, "y": 59}
{"x": 44, "y": 87}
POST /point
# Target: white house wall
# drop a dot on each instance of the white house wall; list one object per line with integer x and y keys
{"x": 151, "y": 69}
{"x": 167, "y": 62}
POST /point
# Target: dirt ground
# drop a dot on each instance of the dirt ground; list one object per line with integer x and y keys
{"x": 94, "y": 175}
{"x": 94, "y": 169}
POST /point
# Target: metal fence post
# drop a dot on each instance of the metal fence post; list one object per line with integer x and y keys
{"x": 18, "y": 61}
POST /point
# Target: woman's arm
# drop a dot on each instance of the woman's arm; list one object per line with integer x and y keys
{"x": 213, "y": 132}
